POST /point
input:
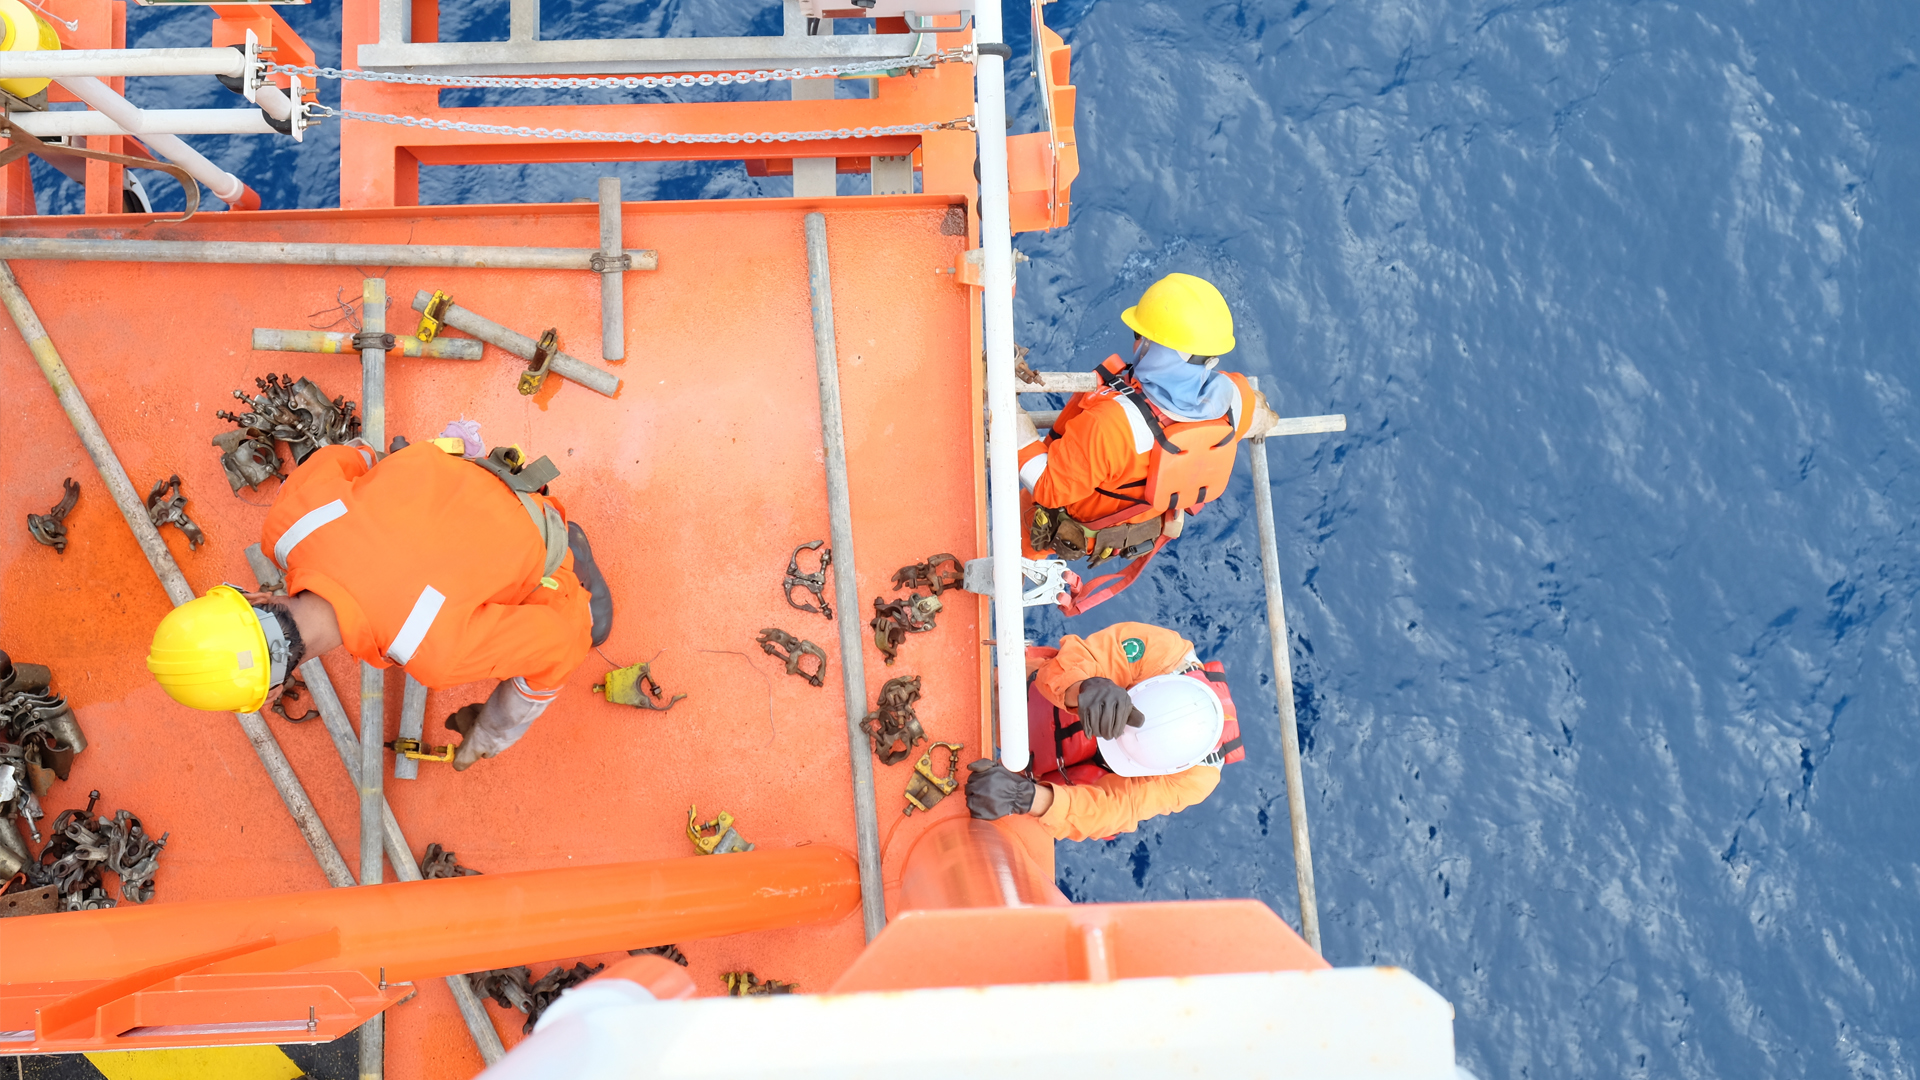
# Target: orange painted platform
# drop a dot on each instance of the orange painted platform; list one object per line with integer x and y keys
{"x": 695, "y": 484}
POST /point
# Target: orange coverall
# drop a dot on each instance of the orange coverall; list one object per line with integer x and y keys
{"x": 430, "y": 562}
{"x": 1126, "y": 653}
{"x": 1092, "y": 446}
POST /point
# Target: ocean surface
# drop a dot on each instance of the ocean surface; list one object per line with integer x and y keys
{"x": 1602, "y": 610}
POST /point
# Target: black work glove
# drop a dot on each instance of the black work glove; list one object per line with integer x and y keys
{"x": 994, "y": 791}
{"x": 1105, "y": 708}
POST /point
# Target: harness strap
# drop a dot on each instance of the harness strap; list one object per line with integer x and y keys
{"x": 524, "y": 483}
{"x": 1120, "y": 385}
{"x": 1093, "y": 593}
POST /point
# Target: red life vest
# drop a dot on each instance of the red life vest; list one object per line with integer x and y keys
{"x": 1063, "y": 753}
{"x": 1188, "y": 464}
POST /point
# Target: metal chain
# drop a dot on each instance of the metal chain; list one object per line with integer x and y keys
{"x": 965, "y": 122}
{"x": 629, "y": 82}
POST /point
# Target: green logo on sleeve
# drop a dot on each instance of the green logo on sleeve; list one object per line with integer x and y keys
{"x": 1134, "y": 648}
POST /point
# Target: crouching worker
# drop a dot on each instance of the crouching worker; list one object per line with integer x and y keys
{"x": 455, "y": 569}
{"x": 1125, "y": 724}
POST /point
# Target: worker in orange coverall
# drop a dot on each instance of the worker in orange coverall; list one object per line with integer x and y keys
{"x": 1125, "y": 724}
{"x": 454, "y": 568}
{"x": 1127, "y": 462}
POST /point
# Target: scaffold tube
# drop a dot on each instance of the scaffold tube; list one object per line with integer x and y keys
{"x": 241, "y": 252}
{"x": 1003, "y": 406}
{"x": 51, "y": 125}
{"x": 66, "y": 64}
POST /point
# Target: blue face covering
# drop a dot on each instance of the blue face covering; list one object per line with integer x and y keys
{"x": 1184, "y": 390}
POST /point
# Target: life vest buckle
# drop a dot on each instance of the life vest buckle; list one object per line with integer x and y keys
{"x": 925, "y": 788}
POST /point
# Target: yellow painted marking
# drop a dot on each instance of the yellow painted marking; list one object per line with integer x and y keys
{"x": 262, "y": 1062}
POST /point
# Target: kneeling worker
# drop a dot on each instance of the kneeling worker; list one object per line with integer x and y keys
{"x": 1125, "y": 724}
{"x": 1126, "y": 463}
{"x": 456, "y": 569}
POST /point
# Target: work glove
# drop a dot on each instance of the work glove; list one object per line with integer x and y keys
{"x": 994, "y": 791}
{"x": 1105, "y": 709}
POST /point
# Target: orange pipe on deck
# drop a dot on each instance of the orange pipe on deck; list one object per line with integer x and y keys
{"x": 422, "y": 929}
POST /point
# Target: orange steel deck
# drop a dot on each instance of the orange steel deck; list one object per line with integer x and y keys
{"x": 695, "y": 484}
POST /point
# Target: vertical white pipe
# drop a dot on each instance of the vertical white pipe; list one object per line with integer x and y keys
{"x": 613, "y": 283}
{"x": 101, "y": 98}
{"x": 1003, "y": 407}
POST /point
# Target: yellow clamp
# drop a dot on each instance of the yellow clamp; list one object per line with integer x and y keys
{"x": 532, "y": 379}
{"x": 722, "y": 841}
{"x": 924, "y": 789}
{"x": 419, "y": 751}
{"x": 430, "y": 318}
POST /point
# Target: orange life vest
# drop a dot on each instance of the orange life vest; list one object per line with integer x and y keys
{"x": 1188, "y": 463}
{"x": 1063, "y": 753}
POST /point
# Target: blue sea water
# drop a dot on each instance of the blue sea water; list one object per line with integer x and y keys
{"x": 1603, "y": 607}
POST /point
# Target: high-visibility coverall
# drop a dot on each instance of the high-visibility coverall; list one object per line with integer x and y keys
{"x": 1126, "y": 653}
{"x": 432, "y": 563}
{"x": 1094, "y": 444}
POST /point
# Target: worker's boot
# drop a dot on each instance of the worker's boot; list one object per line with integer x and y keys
{"x": 599, "y": 597}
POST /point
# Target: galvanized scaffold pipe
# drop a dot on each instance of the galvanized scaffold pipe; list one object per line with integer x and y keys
{"x": 613, "y": 281}
{"x": 1003, "y": 406}
{"x": 846, "y": 587}
{"x": 520, "y": 345}
{"x": 373, "y": 680}
{"x": 131, "y": 507}
{"x": 1283, "y": 685}
{"x": 244, "y": 253}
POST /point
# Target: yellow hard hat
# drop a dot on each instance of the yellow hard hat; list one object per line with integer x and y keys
{"x": 1184, "y": 313}
{"x": 211, "y": 653}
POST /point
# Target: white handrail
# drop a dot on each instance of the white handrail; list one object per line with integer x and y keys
{"x": 1003, "y": 406}
{"x": 79, "y": 63}
{"x": 98, "y": 95}
{"x": 50, "y": 125}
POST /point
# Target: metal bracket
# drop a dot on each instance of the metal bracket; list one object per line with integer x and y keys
{"x": 783, "y": 646}
{"x": 544, "y": 351}
{"x": 634, "y": 685}
{"x": 716, "y": 837}
{"x": 250, "y": 76}
{"x": 419, "y": 751}
{"x": 603, "y": 265}
{"x": 430, "y": 318}
{"x": 815, "y": 583}
{"x": 925, "y": 789}
{"x": 366, "y": 339}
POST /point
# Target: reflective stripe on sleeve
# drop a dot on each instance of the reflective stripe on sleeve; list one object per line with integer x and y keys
{"x": 526, "y": 690}
{"x": 414, "y": 630}
{"x": 1030, "y": 472}
{"x": 303, "y": 528}
{"x": 1142, "y": 434}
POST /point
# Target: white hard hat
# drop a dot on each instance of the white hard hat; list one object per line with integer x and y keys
{"x": 1183, "y": 725}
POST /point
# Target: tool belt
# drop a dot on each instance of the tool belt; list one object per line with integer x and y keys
{"x": 1053, "y": 529}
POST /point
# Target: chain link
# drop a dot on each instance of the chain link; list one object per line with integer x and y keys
{"x": 965, "y": 122}
{"x": 628, "y": 82}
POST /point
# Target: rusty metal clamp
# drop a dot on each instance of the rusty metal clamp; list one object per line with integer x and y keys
{"x": 893, "y": 620}
{"x": 747, "y": 984}
{"x": 783, "y": 646}
{"x": 291, "y": 691}
{"x": 367, "y": 339}
{"x": 532, "y": 379}
{"x": 633, "y": 685}
{"x": 163, "y": 509}
{"x": 248, "y": 458}
{"x": 50, "y": 528}
{"x": 441, "y": 863}
{"x": 925, "y": 788}
{"x": 815, "y": 583}
{"x": 892, "y": 726}
{"x": 430, "y": 318}
{"x": 938, "y": 574}
{"x": 716, "y": 837}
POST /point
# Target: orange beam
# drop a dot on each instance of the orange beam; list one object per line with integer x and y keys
{"x": 422, "y": 929}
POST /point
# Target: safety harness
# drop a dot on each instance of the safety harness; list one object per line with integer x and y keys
{"x": 1063, "y": 752}
{"x": 526, "y": 479}
{"x": 1188, "y": 463}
